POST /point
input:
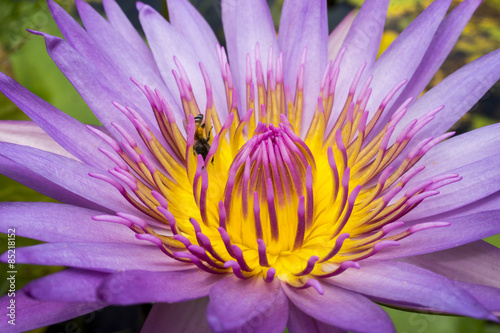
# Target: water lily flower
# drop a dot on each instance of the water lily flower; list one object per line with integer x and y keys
{"x": 294, "y": 181}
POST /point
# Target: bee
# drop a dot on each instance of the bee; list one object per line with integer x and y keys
{"x": 201, "y": 142}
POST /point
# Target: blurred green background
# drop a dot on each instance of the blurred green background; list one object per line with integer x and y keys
{"x": 23, "y": 57}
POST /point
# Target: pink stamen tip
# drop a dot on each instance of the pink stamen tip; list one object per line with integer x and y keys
{"x": 134, "y": 219}
{"x": 427, "y": 225}
{"x": 236, "y": 269}
{"x": 271, "y": 272}
{"x": 355, "y": 82}
{"x": 109, "y": 180}
{"x": 150, "y": 238}
{"x": 391, "y": 226}
{"x": 113, "y": 219}
{"x": 309, "y": 267}
{"x": 262, "y": 253}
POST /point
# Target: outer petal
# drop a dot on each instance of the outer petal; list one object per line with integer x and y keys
{"x": 64, "y": 172}
{"x": 458, "y": 92}
{"x": 31, "y": 314}
{"x": 400, "y": 60}
{"x": 445, "y": 38}
{"x": 119, "y": 20}
{"x": 362, "y": 44}
{"x": 98, "y": 90}
{"x": 338, "y": 35}
{"x": 397, "y": 283}
{"x": 146, "y": 287}
{"x": 488, "y": 297}
{"x": 463, "y": 230}
{"x": 103, "y": 257}
{"x": 473, "y": 263}
{"x": 28, "y": 133}
{"x": 167, "y": 42}
{"x": 54, "y": 222}
{"x": 475, "y": 156}
{"x": 480, "y": 179}
{"x": 341, "y": 308}
{"x": 187, "y": 316}
{"x": 70, "y": 285}
{"x": 191, "y": 24}
{"x": 299, "y": 322}
{"x": 304, "y": 24}
{"x": 247, "y": 305}
{"x": 68, "y": 132}
{"x": 247, "y": 23}
{"x": 109, "y": 42}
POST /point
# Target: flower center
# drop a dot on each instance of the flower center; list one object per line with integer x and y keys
{"x": 250, "y": 197}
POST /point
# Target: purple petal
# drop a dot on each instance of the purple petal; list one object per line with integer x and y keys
{"x": 299, "y": 322}
{"x": 304, "y": 24}
{"x": 480, "y": 179}
{"x": 108, "y": 41}
{"x": 458, "y": 93}
{"x": 473, "y": 263}
{"x": 400, "y": 60}
{"x": 463, "y": 230}
{"x": 397, "y": 283}
{"x": 146, "y": 287}
{"x": 31, "y": 314}
{"x": 491, "y": 202}
{"x": 104, "y": 257}
{"x": 341, "y": 308}
{"x": 66, "y": 131}
{"x": 191, "y": 24}
{"x": 66, "y": 173}
{"x": 54, "y": 222}
{"x": 37, "y": 182}
{"x": 338, "y": 35}
{"x": 488, "y": 297}
{"x": 98, "y": 89}
{"x": 247, "y": 305}
{"x": 187, "y": 316}
{"x": 247, "y": 23}
{"x": 167, "y": 42}
{"x": 362, "y": 44}
{"x": 445, "y": 38}
{"x": 119, "y": 20}
{"x": 70, "y": 285}
{"x": 28, "y": 133}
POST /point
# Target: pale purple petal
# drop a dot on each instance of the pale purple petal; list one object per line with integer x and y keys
{"x": 167, "y": 42}
{"x": 146, "y": 287}
{"x": 189, "y": 22}
{"x": 37, "y": 182}
{"x": 119, "y": 20}
{"x": 338, "y": 35}
{"x": 186, "y": 316}
{"x": 247, "y": 305}
{"x": 299, "y": 322}
{"x": 70, "y": 285}
{"x": 68, "y": 132}
{"x": 304, "y": 24}
{"x": 28, "y": 133}
{"x": 103, "y": 257}
{"x": 399, "y": 283}
{"x": 400, "y": 60}
{"x": 247, "y": 23}
{"x": 54, "y": 222}
{"x": 463, "y": 230}
{"x": 362, "y": 45}
{"x": 90, "y": 51}
{"x": 108, "y": 42}
{"x": 31, "y": 314}
{"x": 473, "y": 263}
{"x": 458, "y": 93}
{"x": 488, "y": 297}
{"x": 66, "y": 173}
{"x": 445, "y": 38}
{"x": 341, "y": 308}
{"x": 98, "y": 90}
{"x": 480, "y": 180}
